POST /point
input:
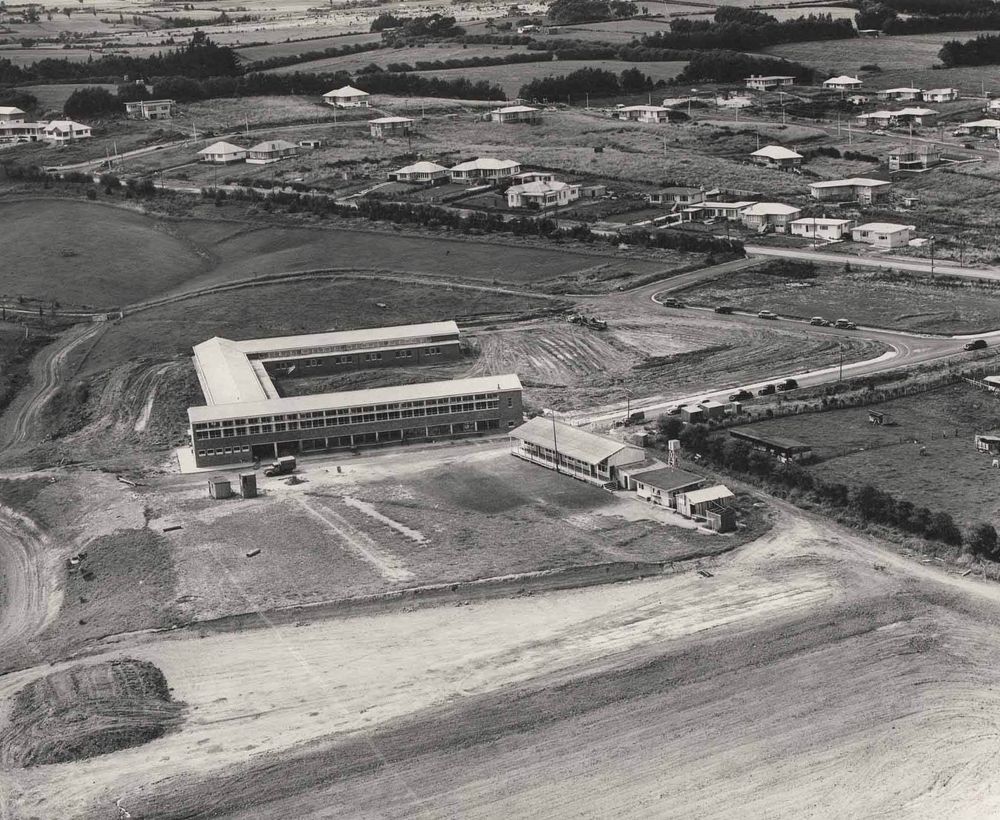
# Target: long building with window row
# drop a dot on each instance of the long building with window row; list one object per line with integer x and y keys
{"x": 246, "y": 418}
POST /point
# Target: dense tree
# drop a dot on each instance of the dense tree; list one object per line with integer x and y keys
{"x": 91, "y": 102}
{"x": 982, "y": 541}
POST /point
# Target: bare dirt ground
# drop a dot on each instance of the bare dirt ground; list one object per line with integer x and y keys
{"x": 792, "y": 669}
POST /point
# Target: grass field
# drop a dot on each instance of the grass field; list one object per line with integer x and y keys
{"x": 53, "y": 97}
{"x": 383, "y": 57}
{"x": 951, "y": 477}
{"x": 867, "y": 297}
{"x": 87, "y": 254}
{"x": 295, "y": 47}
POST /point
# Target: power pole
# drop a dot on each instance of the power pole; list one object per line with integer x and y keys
{"x": 840, "y": 347}
{"x": 555, "y": 445}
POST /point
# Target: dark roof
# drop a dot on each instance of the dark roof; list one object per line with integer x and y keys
{"x": 668, "y": 478}
{"x": 678, "y": 189}
{"x": 777, "y": 442}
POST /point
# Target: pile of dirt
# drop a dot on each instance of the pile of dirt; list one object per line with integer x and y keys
{"x": 87, "y": 711}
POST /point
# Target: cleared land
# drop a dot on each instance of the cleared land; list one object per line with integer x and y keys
{"x": 867, "y": 297}
{"x": 384, "y": 56}
{"x": 952, "y": 477}
{"x": 296, "y": 47}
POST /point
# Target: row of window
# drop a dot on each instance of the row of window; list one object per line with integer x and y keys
{"x": 415, "y": 341}
{"x": 448, "y": 404}
{"x": 223, "y": 451}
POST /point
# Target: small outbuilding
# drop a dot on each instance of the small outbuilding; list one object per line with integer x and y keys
{"x": 220, "y": 487}
{"x": 988, "y": 444}
{"x": 784, "y": 449}
{"x": 661, "y": 485}
{"x": 699, "y": 503}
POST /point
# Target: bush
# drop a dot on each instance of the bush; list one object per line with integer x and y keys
{"x": 981, "y": 540}
{"x": 91, "y": 102}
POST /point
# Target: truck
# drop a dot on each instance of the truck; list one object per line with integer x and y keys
{"x": 283, "y": 466}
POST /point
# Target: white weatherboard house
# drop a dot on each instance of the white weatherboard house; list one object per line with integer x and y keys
{"x": 390, "y": 126}
{"x": 516, "y": 113}
{"x": 150, "y": 109}
{"x": 769, "y": 83}
{"x": 222, "y": 152}
{"x": 829, "y": 230}
{"x": 843, "y": 83}
{"x": 542, "y": 195}
{"x": 572, "y": 451}
{"x": 60, "y": 132}
{"x": 10, "y": 113}
{"x": 645, "y": 113}
{"x": 484, "y": 169}
{"x": 883, "y": 234}
{"x": 986, "y": 127}
{"x": 776, "y": 156}
{"x": 940, "y": 95}
{"x": 862, "y": 189}
{"x": 271, "y": 151}
{"x": 421, "y": 172}
{"x": 764, "y": 216}
{"x": 347, "y": 97}
{"x": 905, "y": 93}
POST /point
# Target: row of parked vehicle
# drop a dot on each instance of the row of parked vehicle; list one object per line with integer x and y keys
{"x": 766, "y": 390}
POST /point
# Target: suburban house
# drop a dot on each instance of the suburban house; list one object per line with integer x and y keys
{"x": 517, "y": 113}
{"x": 864, "y": 190}
{"x": 939, "y": 95}
{"x": 390, "y": 126}
{"x": 776, "y": 156}
{"x": 913, "y": 158}
{"x": 10, "y": 113}
{"x": 60, "y": 132}
{"x": 720, "y": 210}
{"x": 842, "y": 83}
{"x": 532, "y": 176}
{"x": 222, "y": 152}
{"x": 421, "y": 172}
{"x": 661, "y": 485}
{"x": 572, "y": 451}
{"x": 484, "y": 169}
{"x": 984, "y": 128}
{"x": 829, "y": 230}
{"x": 883, "y": 234}
{"x": 858, "y": 99}
{"x": 734, "y": 101}
{"x": 917, "y": 116}
{"x": 877, "y": 119}
{"x": 347, "y": 97}
{"x": 759, "y": 83}
{"x": 271, "y": 151}
{"x": 150, "y": 109}
{"x": 899, "y": 94}
{"x": 672, "y": 197}
{"x": 993, "y": 106}
{"x": 765, "y": 216}
{"x": 542, "y": 195}
{"x": 645, "y": 113}
{"x": 20, "y": 131}
{"x": 784, "y": 449}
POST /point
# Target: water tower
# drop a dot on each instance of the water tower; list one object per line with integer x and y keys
{"x": 673, "y": 452}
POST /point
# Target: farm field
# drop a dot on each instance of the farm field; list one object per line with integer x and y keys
{"x": 53, "y": 97}
{"x": 909, "y": 53}
{"x": 383, "y": 57}
{"x": 951, "y": 477}
{"x": 296, "y": 47}
{"x": 512, "y": 77}
{"x": 867, "y": 297}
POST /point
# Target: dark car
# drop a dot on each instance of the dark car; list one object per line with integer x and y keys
{"x": 674, "y": 411}
{"x": 724, "y": 309}
{"x": 671, "y": 302}
{"x": 741, "y": 395}
{"x": 788, "y": 384}
{"x": 978, "y": 344}
{"x": 766, "y": 390}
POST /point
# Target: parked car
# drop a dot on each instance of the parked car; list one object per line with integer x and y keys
{"x": 788, "y": 384}
{"x": 978, "y": 344}
{"x": 673, "y": 411}
{"x": 671, "y": 302}
{"x": 767, "y": 390}
{"x": 819, "y": 321}
{"x": 766, "y": 314}
{"x": 741, "y": 395}
{"x": 724, "y": 309}
{"x": 845, "y": 324}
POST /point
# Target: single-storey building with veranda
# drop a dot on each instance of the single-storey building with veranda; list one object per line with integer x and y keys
{"x": 150, "y": 109}
{"x": 776, "y": 156}
{"x": 860, "y": 189}
{"x": 245, "y": 417}
{"x": 661, "y": 485}
{"x": 422, "y": 172}
{"x": 767, "y": 216}
{"x": 390, "y": 127}
{"x": 904, "y": 93}
{"x": 264, "y": 153}
{"x": 223, "y": 152}
{"x": 347, "y": 97}
{"x": 542, "y": 195}
{"x": 913, "y": 157}
{"x": 59, "y": 132}
{"x": 484, "y": 169}
{"x": 883, "y": 234}
{"x": 842, "y": 83}
{"x": 644, "y": 113}
{"x": 769, "y": 83}
{"x": 676, "y": 195}
{"x": 517, "y": 113}
{"x": 570, "y": 450}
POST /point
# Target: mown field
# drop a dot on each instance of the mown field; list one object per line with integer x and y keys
{"x": 383, "y": 57}
{"x": 300, "y": 46}
{"x": 868, "y": 297}
{"x": 952, "y": 477}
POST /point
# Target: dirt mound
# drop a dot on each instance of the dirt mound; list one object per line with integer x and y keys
{"x": 87, "y": 711}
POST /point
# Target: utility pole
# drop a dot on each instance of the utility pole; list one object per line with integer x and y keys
{"x": 555, "y": 445}
{"x": 932, "y": 254}
{"x": 840, "y": 347}
{"x": 587, "y": 95}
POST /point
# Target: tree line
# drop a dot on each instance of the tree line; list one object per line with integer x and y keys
{"x": 732, "y": 66}
{"x": 597, "y": 82}
{"x": 984, "y": 50}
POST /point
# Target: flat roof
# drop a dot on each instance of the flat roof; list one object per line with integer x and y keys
{"x": 389, "y": 120}
{"x": 356, "y": 398}
{"x": 668, "y": 478}
{"x": 716, "y": 493}
{"x": 226, "y": 374}
{"x": 569, "y": 441}
{"x": 820, "y": 220}
{"x": 767, "y": 208}
{"x": 340, "y": 337}
{"x": 885, "y": 227}
{"x": 775, "y": 441}
{"x": 515, "y": 109}
{"x": 853, "y": 182}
